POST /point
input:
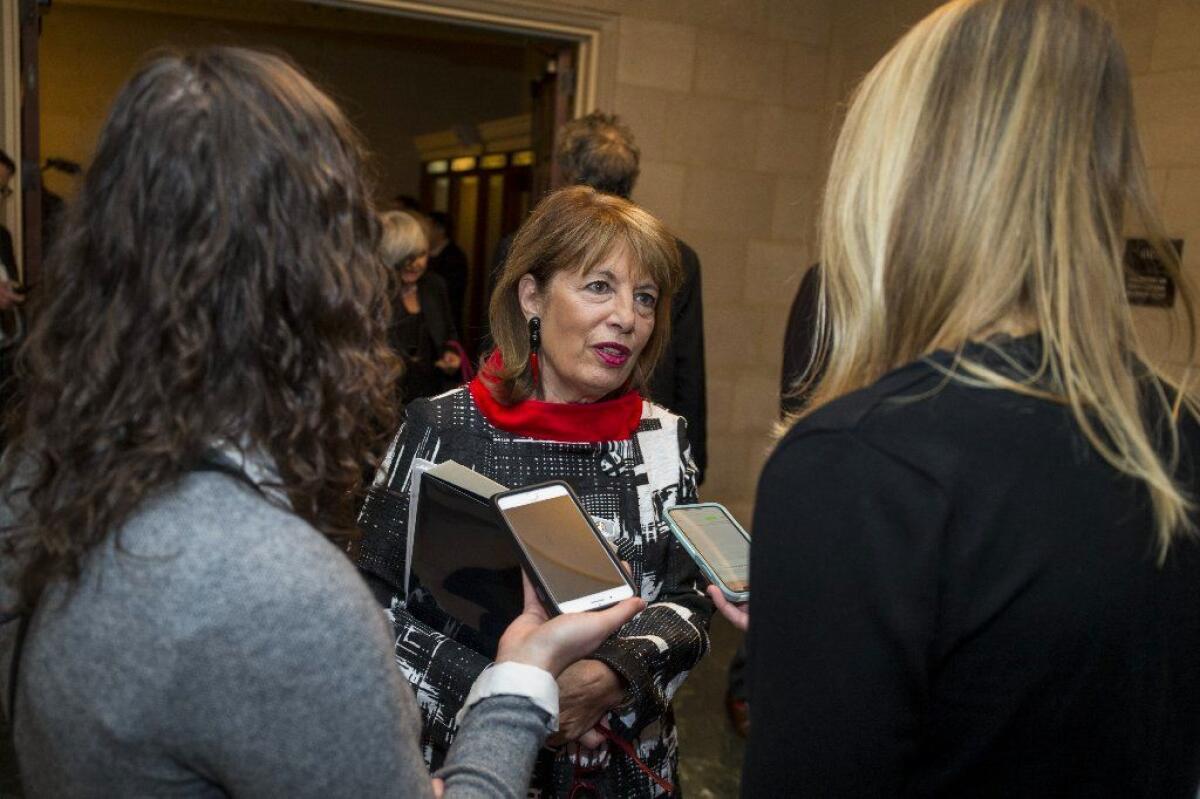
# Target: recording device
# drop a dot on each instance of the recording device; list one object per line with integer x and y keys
{"x": 718, "y": 544}
{"x": 571, "y": 565}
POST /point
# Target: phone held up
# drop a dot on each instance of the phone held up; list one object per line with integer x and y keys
{"x": 571, "y": 565}
{"x": 718, "y": 544}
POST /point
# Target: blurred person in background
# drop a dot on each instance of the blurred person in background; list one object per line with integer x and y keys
{"x": 449, "y": 261}
{"x": 423, "y": 329}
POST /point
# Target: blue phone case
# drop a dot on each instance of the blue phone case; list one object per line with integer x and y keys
{"x": 732, "y": 596}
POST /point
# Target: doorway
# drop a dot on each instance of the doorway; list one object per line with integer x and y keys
{"x": 540, "y": 34}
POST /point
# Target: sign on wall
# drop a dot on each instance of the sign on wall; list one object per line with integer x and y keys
{"x": 1146, "y": 279}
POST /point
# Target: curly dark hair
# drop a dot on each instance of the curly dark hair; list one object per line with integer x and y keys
{"x": 217, "y": 283}
{"x": 597, "y": 150}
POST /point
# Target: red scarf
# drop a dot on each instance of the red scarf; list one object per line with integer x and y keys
{"x": 585, "y": 422}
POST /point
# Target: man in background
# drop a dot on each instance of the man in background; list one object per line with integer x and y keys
{"x": 447, "y": 259}
{"x": 598, "y": 151}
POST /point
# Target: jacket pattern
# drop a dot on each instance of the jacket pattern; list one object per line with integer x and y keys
{"x": 626, "y": 485}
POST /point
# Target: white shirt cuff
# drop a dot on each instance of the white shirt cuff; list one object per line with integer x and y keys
{"x": 515, "y": 679}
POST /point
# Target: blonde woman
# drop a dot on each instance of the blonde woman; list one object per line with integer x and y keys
{"x": 975, "y": 566}
{"x": 423, "y": 332}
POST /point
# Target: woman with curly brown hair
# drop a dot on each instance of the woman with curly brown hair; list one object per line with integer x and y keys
{"x": 204, "y": 380}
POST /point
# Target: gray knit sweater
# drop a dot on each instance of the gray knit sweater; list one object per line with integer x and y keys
{"x": 221, "y": 646}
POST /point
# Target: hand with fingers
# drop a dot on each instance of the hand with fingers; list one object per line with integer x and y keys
{"x": 535, "y": 639}
{"x": 587, "y": 691}
{"x": 737, "y": 613}
{"x": 10, "y": 295}
{"x": 449, "y": 362}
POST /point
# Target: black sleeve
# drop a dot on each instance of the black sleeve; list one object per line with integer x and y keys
{"x": 845, "y": 575}
{"x": 498, "y": 259}
{"x": 455, "y": 269}
{"x": 799, "y": 340}
{"x": 7, "y": 257}
{"x": 689, "y": 390}
{"x": 437, "y": 298}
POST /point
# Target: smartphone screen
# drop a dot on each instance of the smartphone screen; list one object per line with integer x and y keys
{"x": 719, "y": 540}
{"x": 573, "y": 564}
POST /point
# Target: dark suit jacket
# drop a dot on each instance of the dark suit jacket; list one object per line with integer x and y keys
{"x": 7, "y": 257}
{"x": 435, "y": 304}
{"x": 678, "y": 382}
{"x": 451, "y": 265}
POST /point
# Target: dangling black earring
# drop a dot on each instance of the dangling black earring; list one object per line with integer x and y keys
{"x": 535, "y": 344}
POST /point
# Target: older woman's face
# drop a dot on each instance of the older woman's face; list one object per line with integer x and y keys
{"x": 414, "y": 268}
{"x": 594, "y": 327}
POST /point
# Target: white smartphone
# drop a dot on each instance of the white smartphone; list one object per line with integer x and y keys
{"x": 568, "y": 561}
{"x": 718, "y": 544}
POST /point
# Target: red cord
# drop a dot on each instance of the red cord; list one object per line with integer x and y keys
{"x": 534, "y": 369}
{"x": 627, "y": 748}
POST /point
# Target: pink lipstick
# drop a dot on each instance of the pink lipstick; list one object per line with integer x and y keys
{"x": 612, "y": 354}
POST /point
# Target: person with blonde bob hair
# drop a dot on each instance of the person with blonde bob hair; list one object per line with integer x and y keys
{"x": 579, "y": 315}
{"x": 975, "y": 564}
{"x": 423, "y": 332}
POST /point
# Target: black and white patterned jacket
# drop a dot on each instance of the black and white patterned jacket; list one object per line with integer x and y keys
{"x": 626, "y": 484}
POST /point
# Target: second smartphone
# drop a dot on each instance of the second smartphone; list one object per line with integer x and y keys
{"x": 568, "y": 560}
{"x": 719, "y": 545}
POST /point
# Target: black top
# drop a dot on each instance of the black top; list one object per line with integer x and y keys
{"x": 421, "y": 338}
{"x": 954, "y": 595}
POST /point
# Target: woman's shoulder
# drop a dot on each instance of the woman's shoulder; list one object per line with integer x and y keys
{"x": 655, "y": 416}
{"x": 453, "y": 408}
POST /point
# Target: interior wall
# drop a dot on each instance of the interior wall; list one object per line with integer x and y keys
{"x": 383, "y": 83}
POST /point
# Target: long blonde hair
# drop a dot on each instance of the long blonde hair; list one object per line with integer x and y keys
{"x": 979, "y": 187}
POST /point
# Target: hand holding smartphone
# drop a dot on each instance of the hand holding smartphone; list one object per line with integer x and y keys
{"x": 571, "y": 566}
{"x": 718, "y": 544}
